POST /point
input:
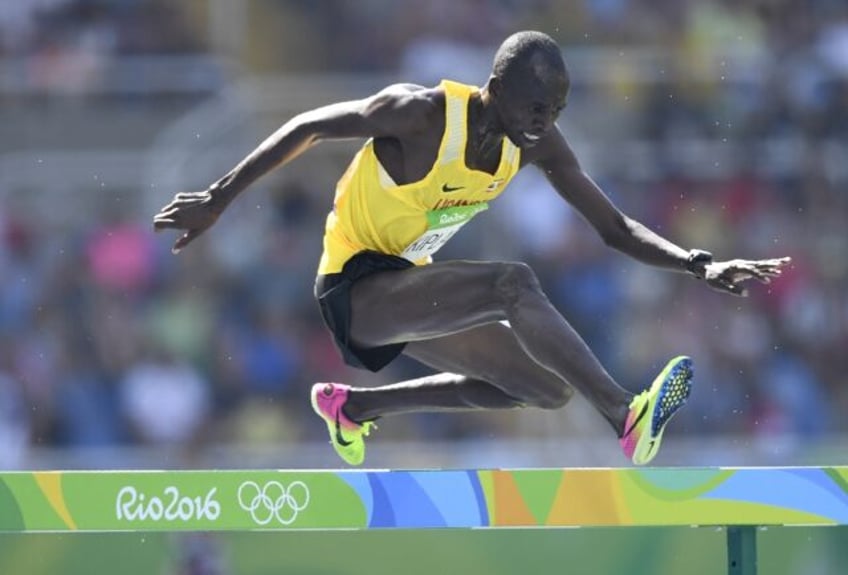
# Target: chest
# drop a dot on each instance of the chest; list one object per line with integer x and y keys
{"x": 412, "y": 158}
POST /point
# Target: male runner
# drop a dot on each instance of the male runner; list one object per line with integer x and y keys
{"x": 434, "y": 158}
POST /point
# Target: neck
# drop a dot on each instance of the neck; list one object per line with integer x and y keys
{"x": 484, "y": 129}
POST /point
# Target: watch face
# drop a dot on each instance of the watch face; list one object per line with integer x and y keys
{"x": 697, "y": 260}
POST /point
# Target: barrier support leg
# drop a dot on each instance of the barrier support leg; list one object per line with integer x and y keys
{"x": 742, "y": 550}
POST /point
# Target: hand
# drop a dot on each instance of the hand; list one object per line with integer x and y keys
{"x": 193, "y": 212}
{"x": 727, "y": 276}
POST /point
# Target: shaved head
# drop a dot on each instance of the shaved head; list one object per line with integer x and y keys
{"x": 529, "y": 51}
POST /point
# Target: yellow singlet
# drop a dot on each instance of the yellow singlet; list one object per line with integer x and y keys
{"x": 371, "y": 212}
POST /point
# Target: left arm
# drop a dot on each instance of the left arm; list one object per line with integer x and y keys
{"x": 555, "y": 158}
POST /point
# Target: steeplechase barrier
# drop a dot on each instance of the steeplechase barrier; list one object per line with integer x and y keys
{"x": 741, "y": 500}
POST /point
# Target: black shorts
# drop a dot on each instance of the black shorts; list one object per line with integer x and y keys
{"x": 333, "y": 294}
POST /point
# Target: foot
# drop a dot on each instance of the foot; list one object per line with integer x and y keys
{"x": 652, "y": 409}
{"x": 345, "y": 434}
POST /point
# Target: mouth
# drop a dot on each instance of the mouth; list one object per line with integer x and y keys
{"x": 525, "y": 138}
{"x": 529, "y": 139}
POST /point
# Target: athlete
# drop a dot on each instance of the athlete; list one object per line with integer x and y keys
{"x": 433, "y": 159}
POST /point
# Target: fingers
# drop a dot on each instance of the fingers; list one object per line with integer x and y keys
{"x": 184, "y": 200}
{"x": 754, "y": 271}
{"x": 165, "y": 220}
{"x": 730, "y": 286}
{"x": 189, "y": 212}
{"x": 774, "y": 264}
{"x": 184, "y": 240}
{"x": 771, "y": 270}
{"x": 738, "y": 271}
{"x": 173, "y": 215}
{"x": 762, "y": 270}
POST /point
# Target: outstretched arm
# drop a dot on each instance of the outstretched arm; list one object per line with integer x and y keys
{"x": 554, "y": 156}
{"x": 395, "y": 111}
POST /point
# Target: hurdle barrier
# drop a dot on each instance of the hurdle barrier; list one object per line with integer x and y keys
{"x": 741, "y": 500}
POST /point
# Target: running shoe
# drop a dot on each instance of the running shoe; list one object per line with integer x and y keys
{"x": 345, "y": 435}
{"x": 651, "y": 410}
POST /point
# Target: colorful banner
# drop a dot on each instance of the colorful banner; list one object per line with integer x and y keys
{"x": 277, "y": 500}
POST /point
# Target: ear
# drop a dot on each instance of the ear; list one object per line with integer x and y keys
{"x": 493, "y": 86}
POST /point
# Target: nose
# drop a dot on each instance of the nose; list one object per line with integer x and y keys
{"x": 546, "y": 119}
{"x": 539, "y": 123}
{"x": 542, "y": 123}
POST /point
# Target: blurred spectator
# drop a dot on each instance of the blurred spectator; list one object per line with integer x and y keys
{"x": 14, "y": 424}
{"x": 165, "y": 400}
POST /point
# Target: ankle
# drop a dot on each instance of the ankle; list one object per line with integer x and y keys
{"x": 354, "y": 409}
{"x": 618, "y": 418}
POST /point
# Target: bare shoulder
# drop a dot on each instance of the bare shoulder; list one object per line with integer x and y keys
{"x": 417, "y": 106}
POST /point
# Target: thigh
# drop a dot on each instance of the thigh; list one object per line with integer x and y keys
{"x": 492, "y": 353}
{"x": 426, "y": 301}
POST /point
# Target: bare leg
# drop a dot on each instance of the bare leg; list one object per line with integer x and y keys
{"x": 430, "y": 302}
{"x": 438, "y": 392}
{"x": 483, "y": 368}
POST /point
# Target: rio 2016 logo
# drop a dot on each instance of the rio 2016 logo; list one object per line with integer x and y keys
{"x": 273, "y": 501}
{"x": 130, "y": 505}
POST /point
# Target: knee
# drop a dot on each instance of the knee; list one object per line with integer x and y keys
{"x": 515, "y": 280}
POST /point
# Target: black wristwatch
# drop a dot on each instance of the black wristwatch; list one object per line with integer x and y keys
{"x": 697, "y": 261}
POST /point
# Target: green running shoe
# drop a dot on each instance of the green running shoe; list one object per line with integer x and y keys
{"x": 346, "y": 435}
{"x": 651, "y": 410}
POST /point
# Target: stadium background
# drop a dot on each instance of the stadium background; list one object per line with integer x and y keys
{"x": 723, "y": 124}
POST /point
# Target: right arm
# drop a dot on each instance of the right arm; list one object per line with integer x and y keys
{"x": 393, "y": 112}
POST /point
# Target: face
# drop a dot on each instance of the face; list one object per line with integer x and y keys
{"x": 529, "y": 104}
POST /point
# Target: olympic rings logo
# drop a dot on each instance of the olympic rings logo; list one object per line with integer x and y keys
{"x": 273, "y": 501}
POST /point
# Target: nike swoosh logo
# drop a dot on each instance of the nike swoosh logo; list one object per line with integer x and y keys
{"x": 339, "y": 437}
{"x": 447, "y": 188}
{"x": 638, "y": 419}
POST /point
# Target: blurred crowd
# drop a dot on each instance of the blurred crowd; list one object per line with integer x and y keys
{"x": 107, "y": 339}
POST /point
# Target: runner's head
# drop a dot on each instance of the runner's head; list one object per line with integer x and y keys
{"x": 529, "y": 86}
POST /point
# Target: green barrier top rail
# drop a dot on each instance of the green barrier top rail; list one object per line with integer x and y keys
{"x": 380, "y": 499}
